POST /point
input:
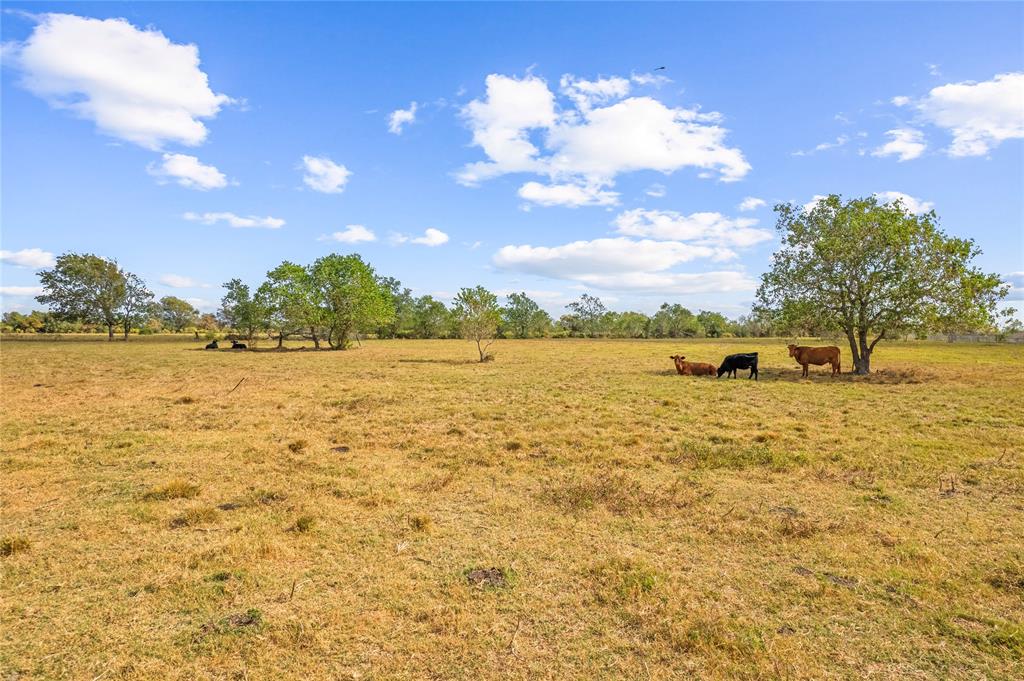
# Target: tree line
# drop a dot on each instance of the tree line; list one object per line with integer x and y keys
{"x": 334, "y": 301}
{"x": 856, "y": 269}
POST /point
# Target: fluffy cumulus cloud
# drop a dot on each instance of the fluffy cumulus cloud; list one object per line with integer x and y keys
{"x": 324, "y": 175}
{"x": 236, "y": 221}
{"x": 980, "y": 116}
{"x": 431, "y": 237}
{"x": 34, "y": 258}
{"x": 624, "y": 264}
{"x": 600, "y": 132}
{"x": 21, "y": 290}
{"x": 1016, "y": 282}
{"x": 179, "y": 281}
{"x": 399, "y": 118}
{"x": 134, "y": 84}
{"x": 352, "y": 234}
{"x": 904, "y": 143}
{"x": 571, "y": 195}
{"x": 712, "y": 229}
{"x": 751, "y": 203}
{"x": 188, "y": 171}
{"x": 914, "y": 205}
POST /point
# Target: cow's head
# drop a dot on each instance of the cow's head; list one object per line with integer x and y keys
{"x": 721, "y": 370}
{"x": 792, "y": 350}
{"x": 678, "y": 358}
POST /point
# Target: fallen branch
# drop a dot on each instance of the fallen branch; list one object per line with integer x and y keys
{"x": 236, "y": 385}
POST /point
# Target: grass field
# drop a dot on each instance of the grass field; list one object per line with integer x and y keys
{"x": 338, "y": 514}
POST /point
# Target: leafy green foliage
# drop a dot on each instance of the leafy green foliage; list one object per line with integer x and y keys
{"x": 351, "y": 297}
{"x": 479, "y": 316}
{"x": 870, "y": 270}
{"x": 523, "y": 316}
{"x": 177, "y": 314}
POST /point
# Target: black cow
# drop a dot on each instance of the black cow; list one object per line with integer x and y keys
{"x": 235, "y": 345}
{"x": 212, "y": 345}
{"x": 731, "y": 363}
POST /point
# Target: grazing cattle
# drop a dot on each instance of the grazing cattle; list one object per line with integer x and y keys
{"x": 692, "y": 368}
{"x": 745, "y": 360}
{"x": 805, "y": 355}
{"x": 235, "y": 345}
{"x": 212, "y": 345}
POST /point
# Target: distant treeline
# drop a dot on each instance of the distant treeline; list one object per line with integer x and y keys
{"x": 339, "y": 298}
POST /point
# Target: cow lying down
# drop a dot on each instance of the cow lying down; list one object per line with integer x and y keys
{"x": 692, "y": 368}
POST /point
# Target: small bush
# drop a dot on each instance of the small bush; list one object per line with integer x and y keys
{"x": 12, "y": 545}
{"x": 297, "y": 446}
{"x": 303, "y": 523}
{"x": 195, "y": 516}
{"x": 421, "y": 523}
{"x": 175, "y": 489}
{"x": 623, "y": 579}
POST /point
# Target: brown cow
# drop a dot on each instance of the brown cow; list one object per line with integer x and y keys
{"x": 693, "y": 368}
{"x": 804, "y": 355}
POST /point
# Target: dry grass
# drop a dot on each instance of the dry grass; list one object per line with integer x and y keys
{"x": 572, "y": 509}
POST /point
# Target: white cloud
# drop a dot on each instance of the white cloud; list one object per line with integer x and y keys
{"x": 809, "y": 206}
{"x": 620, "y": 255}
{"x": 712, "y": 229}
{"x": 656, "y": 190}
{"x": 21, "y": 290}
{"x": 399, "y": 118}
{"x": 597, "y": 137}
{"x": 661, "y": 283}
{"x": 587, "y": 93}
{"x": 914, "y": 205}
{"x": 824, "y": 146}
{"x": 35, "y": 258}
{"x": 179, "y": 281}
{"x": 202, "y": 304}
{"x": 906, "y": 143}
{"x": 233, "y": 220}
{"x": 135, "y": 85}
{"x": 980, "y": 116}
{"x": 900, "y": 101}
{"x": 352, "y": 234}
{"x": 187, "y": 171}
{"x": 1016, "y": 282}
{"x": 933, "y": 69}
{"x": 572, "y": 195}
{"x": 324, "y": 175}
{"x": 751, "y": 203}
{"x": 431, "y": 237}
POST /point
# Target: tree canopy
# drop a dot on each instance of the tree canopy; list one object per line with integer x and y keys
{"x": 479, "y": 315}
{"x": 871, "y": 270}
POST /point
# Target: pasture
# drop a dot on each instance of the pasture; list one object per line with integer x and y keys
{"x": 572, "y": 509}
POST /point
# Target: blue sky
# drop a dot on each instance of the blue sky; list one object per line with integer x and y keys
{"x": 545, "y": 152}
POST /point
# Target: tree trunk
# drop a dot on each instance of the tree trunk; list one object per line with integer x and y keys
{"x": 110, "y": 332}
{"x": 316, "y": 339}
{"x": 280, "y": 340}
{"x": 862, "y": 363}
{"x": 127, "y": 328}
{"x": 480, "y": 349}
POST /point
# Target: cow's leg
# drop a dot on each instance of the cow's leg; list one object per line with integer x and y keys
{"x": 804, "y": 375}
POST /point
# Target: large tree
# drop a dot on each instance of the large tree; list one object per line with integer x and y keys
{"x": 94, "y": 290}
{"x": 674, "y": 321}
{"x": 242, "y": 311}
{"x": 177, "y": 314}
{"x": 523, "y": 316}
{"x": 871, "y": 270}
{"x": 351, "y": 295}
{"x": 430, "y": 317}
{"x": 291, "y": 301}
{"x": 590, "y": 312}
{"x": 479, "y": 315}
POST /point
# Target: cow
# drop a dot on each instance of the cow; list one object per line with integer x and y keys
{"x": 746, "y": 360}
{"x": 235, "y": 345}
{"x": 805, "y": 355}
{"x": 692, "y": 368}
{"x": 212, "y": 345}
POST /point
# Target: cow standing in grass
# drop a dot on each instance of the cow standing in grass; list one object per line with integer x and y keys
{"x": 804, "y": 355}
{"x": 692, "y": 368}
{"x": 746, "y": 360}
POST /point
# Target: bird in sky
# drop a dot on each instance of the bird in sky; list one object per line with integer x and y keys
{"x": 660, "y": 68}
